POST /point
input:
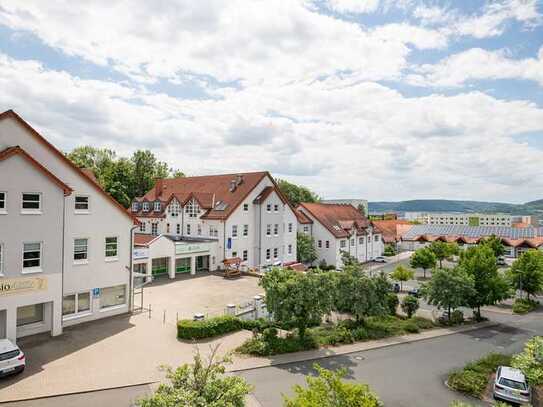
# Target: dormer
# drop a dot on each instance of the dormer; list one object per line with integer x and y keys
{"x": 157, "y": 206}
{"x": 135, "y": 206}
{"x": 146, "y": 206}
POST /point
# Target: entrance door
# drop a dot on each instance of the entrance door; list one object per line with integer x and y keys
{"x": 159, "y": 266}
{"x": 182, "y": 265}
{"x": 202, "y": 263}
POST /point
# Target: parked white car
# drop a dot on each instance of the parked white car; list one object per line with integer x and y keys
{"x": 12, "y": 359}
{"x": 510, "y": 385}
{"x": 380, "y": 259}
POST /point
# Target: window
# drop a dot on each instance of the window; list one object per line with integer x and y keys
{"x": 135, "y": 206}
{"x": 361, "y": 240}
{"x": 327, "y": 244}
{"x": 289, "y": 249}
{"x": 29, "y": 314}
{"x": 31, "y": 255}
{"x": 188, "y": 229}
{"x": 82, "y": 203}
{"x": 81, "y": 247}
{"x": 76, "y": 303}
{"x": 234, "y": 254}
{"x": 157, "y": 206}
{"x": 167, "y": 228}
{"x": 245, "y": 207}
{"x": 213, "y": 231}
{"x": 268, "y": 207}
{"x": 234, "y": 231}
{"x": 245, "y": 255}
{"x": 32, "y": 201}
{"x": 111, "y": 247}
{"x": 342, "y": 243}
{"x": 199, "y": 229}
{"x": 352, "y": 242}
{"x": 174, "y": 208}
{"x": 268, "y": 230}
{"x": 268, "y": 254}
{"x": 146, "y": 207}
{"x": 2, "y": 201}
{"x": 319, "y": 244}
{"x": 290, "y": 228}
{"x": 275, "y": 253}
{"x": 306, "y": 229}
{"x": 276, "y": 229}
{"x": 245, "y": 230}
{"x": 178, "y": 229}
{"x": 276, "y": 208}
{"x": 376, "y": 238}
{"x": 192, "y": 209}
{"x": 113, "y": 296}
{"x": 142, "y": 227}
{"x": 154, "y": 229}
{"x": 1, "y": 259}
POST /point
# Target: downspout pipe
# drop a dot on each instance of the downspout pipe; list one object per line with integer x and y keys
{"x": 131, "y": 271}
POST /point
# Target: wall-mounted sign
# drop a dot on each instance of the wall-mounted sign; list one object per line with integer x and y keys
{"x": 95, "y": 292}
{"x": 190, "y": 248}
{"x": 22, "y": 285}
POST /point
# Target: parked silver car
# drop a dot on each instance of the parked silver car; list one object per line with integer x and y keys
{"x": 510, "y": 385}
{"x": 12, "y": 359}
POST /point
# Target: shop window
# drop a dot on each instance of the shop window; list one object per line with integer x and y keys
{"x": 113, "y": 296}
{"x": 29, "y": 314}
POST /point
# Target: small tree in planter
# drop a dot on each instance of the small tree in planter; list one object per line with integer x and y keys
{"x": 410, "y": 305}
{"x": 423, "y": 258}
{"x": 526, "y": 273}
{"x": 402, "y": 274}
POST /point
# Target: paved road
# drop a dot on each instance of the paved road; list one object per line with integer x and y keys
{"x": 405, "y": 375}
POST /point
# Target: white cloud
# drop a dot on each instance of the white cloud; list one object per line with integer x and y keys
{"x": 340, "y": 137}
{"x": 477, "y": 64}
{"x": 354, "y": 6}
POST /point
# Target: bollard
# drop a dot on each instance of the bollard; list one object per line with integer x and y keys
{"x": 176, "y": 317}
{"x": 164, "y": 318}
{"x": 149, "y": 311}
{"x": 230, "y": 309}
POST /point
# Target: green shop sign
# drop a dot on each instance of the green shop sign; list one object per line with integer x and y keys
{"x": 190, "y": 248}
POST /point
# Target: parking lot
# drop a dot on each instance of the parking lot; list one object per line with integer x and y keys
{"x": 127, "y": 349}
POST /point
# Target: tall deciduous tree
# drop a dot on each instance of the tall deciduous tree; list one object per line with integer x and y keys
{"x": 495, "y": 244}
{"x": 305, "y": 248}
{"x": 479, "y": 262}
{"x": 448, "y": 289}
{"x": 297, "y": 298}
{"x": 329, "y": 390}
{"x": 443, "y": 250}
{"x": 526, "y": 273}
{"x": 296, "y": 193}
{"x": 423, "y": 258}
{"x": 402, "y": 274}
{"x": 147, "y": 169}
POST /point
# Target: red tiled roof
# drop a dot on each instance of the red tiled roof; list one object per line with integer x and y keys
{"x": 142, "y": 239}
{"x": 335, "y": 217}
{"x": 16, "y": 150}
{"x": 521, "y": 225}
{"x": 392, "y": 229}
{"x": 62, "y": 157}
{"x": 302, "y": 217}
{"x": 263, "y": 195}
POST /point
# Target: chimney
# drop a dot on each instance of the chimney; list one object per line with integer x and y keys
{"x": 239, "y": 179}
{"x": 233, "y": 185}
{"x": 159, "y": 186}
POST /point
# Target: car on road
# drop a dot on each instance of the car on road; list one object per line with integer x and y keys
{"x": 12, "y": 359}
{"x": 415, "y": 292}
{"x": 510, "y": 385}
{"x": 380, "y": 259}
{"x": 396, "y": 287}
{"x": 501, "y": 261}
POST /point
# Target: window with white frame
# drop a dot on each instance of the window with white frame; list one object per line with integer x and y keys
{"x": 319, "y": 244}
{"x": 234, "y": 230}
{"x": 81, "y": 249}
{"x": 268, "y": 230}
{"x": 178, "y": 229}
{"x": 268, "y": 207}
{"x": 174, "y": 208}
{"x": 245, "y": 255}
{"x": 154, "y": 228}
{"x": 157, "y": 206}
{"x": 81, "y": 203}
{"x": 146, "y": 207}
{"x": 352, "y": 242}
{"x": 234, "y": 254}
{"x": 245, "y": 230}
{"x": 188, "y": 229}
{"x": 268, "y": 254}
{"x": 167, "y": 228}
{"x": 342, "y": 243}
{"x": 276, "y": 229}
{"x": 1, "y": 259}
{"x": 361, "y": 240}
{"x": 199, "y": 229}
{"x": 30, "y": 314}
{"x": 213, "y": 231}
{"x": 2, "y": 201}
{"x": 192, "y": 209}
{"x": 289, "y": 249}
{"x": 111, "y": 247}
{"x": 113, "y": 296}
{"x": 135, "y": 206}
{"x": 245, "y": 207}
{"x": 276, "y": 208}
{"x": 290, "y": 228}
{"x": 327, "y": 244}
{"x": 306, "y": 229}
{"x": 73, "y": 304}
{"x": 275, "y": 253}
{"x": 31, "y": 201}
{"x": 376, "y": 238}
{"x": 32, "y": 255}
{"x": 142, "y": 227}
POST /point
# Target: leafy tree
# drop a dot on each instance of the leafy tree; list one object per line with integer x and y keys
{"x": 530, "y": 361}
{"x": 147, "y": 169}
{"x": 362, "y": 209}
{"x": 402, "y": 274}
{"x": 526, "y": 273}
{"x": 296, "y": 193}
{"x": 348, "y": 260}
{"x": 423, "y": 258}
{"x": 479, "y": 262}
{"x": 297, "y": 298}
{"x": 495, "y": 244}
{"x": 305, "y": 248}
{"x": 443, "y": 250}
{"x": 389, "y": 250}
{"x": 329, "y": 390}
{"x": 201, "y": 384}
{"x": 448, "y": 289}
{"x": 95, "y": 159}
{"x": 176, "y": 173}
{"x": 410, "y": 305}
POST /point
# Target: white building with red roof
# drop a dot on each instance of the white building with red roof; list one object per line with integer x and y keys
{"x": 216, "y": 217}
{"x": 338, "y": 228}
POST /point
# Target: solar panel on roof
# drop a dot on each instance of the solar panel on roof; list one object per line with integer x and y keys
{"x": 474, "y": 231}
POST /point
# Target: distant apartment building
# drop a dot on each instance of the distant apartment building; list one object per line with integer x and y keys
{"x": 208, "y": 219}
{"x": 337, "y": 228}
{"x": 468, "y": 219}
{"x": 65, "y": 245}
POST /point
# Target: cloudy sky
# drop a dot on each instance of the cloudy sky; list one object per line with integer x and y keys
{"x": 377, "y": 99}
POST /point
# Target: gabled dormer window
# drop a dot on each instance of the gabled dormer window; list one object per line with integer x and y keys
{"x": 146, "y": 207}
{"x": 157, "y": 206}
{"x": 135, "y": 206}
{"x": 192, "y": 209}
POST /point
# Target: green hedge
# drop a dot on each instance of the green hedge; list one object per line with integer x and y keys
{"x": 524, "y": 305}
{"x": 208, "y": 328}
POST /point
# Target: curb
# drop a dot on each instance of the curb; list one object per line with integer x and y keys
{"x": 263, "y": 363}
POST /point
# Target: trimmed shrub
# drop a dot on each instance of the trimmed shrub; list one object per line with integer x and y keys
{"x": 410, "y": 305}
{"x": 524, "y": 305}
{"x": 411, "y": 327}
{"x": 423, "y": 323}
{"x": 277, "y": 345}
{"x": 208, "y": 328}
{"x": 392, "y": 303}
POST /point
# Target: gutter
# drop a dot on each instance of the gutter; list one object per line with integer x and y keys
{"x": 131, "y": 271}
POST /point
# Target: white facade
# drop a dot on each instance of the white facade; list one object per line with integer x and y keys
{"x": 96, "y": 234}
{"x": 468, "y": 219}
